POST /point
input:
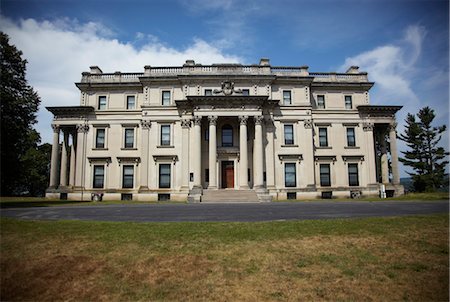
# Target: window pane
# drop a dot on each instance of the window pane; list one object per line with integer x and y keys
{"x": 99, "y": 175}
{"x": 321, "y": 101}
{"x": 164, "y": 175}
{"x": 165, "y": 135}
{"x": 288, "y": 134}
{"x": 351, "y": 137}
{"x": 100, "y": 138}
{"x": 289, "y": 175}
{"x": 353, "y": 179}
{"x": 131, "y": 102}
{"x": 286, "y": 97}
{"x": 325, "y": 175}
{"x": 323, "y": 137}
{"x": 166, "y": 98}
{"x": 128, "y": 176}
{"x": 227, "y": 136}
{"x": 245, "y": 92}
{"x": 129, "y": 138}
{"x": 348, "y": 102}
{"x": 102, "y": 102}
{"x": 208, "y": 92}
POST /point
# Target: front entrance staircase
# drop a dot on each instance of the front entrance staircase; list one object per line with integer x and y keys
{"x": 224, "y": 196}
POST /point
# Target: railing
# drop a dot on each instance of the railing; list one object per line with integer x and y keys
{"x": 119, "y": 77}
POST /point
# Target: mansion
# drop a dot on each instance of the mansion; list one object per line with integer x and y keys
{"x": 197, "y": 131}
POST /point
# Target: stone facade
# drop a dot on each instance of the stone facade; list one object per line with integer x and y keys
{"x": 173, "y": 132}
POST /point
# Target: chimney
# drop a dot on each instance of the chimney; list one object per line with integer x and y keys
{"x": 95, "y": 70}
{"x": 189, "y": 63}
{"x": 264, "y": 62}
{"x": 353, "y": 69}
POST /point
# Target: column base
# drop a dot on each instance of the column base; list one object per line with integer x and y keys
{"x": 212, "y": 187}
{"x": 244, "y": 187}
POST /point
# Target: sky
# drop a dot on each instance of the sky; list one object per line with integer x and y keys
{"x": 402, "y": 44}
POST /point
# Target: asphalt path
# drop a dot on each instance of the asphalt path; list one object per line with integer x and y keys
{"x": 230, "y": 212}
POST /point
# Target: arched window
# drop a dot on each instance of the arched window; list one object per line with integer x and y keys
{"x": 227, "y": 136}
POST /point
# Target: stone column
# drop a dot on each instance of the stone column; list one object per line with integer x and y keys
{"x": 55, "y": 158}
{"x": 384, "y": 159}
{"x": 143, "y": 179}
{"x": 270, "y": 164}
{"x": 72, "y": 161}
{"x": 63, "y": 171}
{"x": 212, "y": 152}
{"x": 258, "y": 161}
{"x": 394, "y": 154}
{"x": 185, "y": 125}
{"x": 82, "y": 129}
{"x": 371, "y": 161}
{"x": 197, "y": 150}
{"x": 243, "y": 154}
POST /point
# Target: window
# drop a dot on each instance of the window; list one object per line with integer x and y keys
{"x": 102, "y": 102}
{"x": 227, "y": 136}
{"x": 323, "y": 137}
{"x": 207, "y": 134}
{"x": 164, "y": 175}
{"x": 289, "y": 175}
{"x": 99, "y": 176}
{"x": 288, "y": 134}
{"x": 351, "y": 137}
{"x": 165, "y": 135}
{"x": 131, "y": 102}
{"x": 129, "y": 138}
{"x": 208, "y": 91}
{"x": 321, "y": 101}
{"x": 353, "y": 179}
{"x": 325, "y": 179}
{"x": 245, "y": 92}
{"x": 166, "y": 98}
{"x": 348, "y": 102}
{"x": 128, "y": 177}
{"x": 287, "y": 97}
{"x": 206, "y": 175}
{"x": 100, "y": 138}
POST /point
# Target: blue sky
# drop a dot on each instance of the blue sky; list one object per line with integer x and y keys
{"x": 403, "y": 44}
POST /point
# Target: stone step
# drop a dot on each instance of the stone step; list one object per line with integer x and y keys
{"x": 229, "y": 196}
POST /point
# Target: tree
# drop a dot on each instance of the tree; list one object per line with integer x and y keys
{"x": 425, "y": 157}
{"x": 18, "y": 107}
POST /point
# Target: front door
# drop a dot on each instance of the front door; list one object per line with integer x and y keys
{"x": 227, "y": 174}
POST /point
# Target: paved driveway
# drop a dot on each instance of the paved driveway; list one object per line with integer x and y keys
{"x": 230, "y": 212}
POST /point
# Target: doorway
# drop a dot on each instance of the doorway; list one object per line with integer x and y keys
{"x": 227, "y": 174}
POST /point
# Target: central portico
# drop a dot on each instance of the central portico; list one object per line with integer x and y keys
{"x": 231, "y": 155}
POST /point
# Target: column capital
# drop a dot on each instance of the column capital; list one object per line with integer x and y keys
{"x": 259, "y": 119}
{"x": 308, "y": 124}
{"x": 392, "y": 126}
{"x": 243, "y": 119}
{"x": 212, "y": 119}
{"x": 55, "y": 128}
{"x": 82, "y": 128}
{"x": 197, "y": 120}
{"x": 146, "y": 124}
{"x": 185, "y": 123}
{"x": 367, "y": 126}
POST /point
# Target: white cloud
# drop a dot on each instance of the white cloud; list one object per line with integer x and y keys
{"x": 58, "y": 51}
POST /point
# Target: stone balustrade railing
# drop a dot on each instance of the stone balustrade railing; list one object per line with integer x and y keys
{"x": 119, "y": 77}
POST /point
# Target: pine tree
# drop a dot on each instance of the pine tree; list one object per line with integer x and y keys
{"x": 18, "y": 106}
{"x": 425, "y": 157}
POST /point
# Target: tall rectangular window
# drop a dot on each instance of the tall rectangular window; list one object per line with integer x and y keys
{"x": 166, "y": 98}
{"x": 131, "y": 102}
{"x": 353, "y": 179}
{"x": 165, "y": 135}
{"x": 288, "y": 134}
{"x": 99, "y": 176}
{"x": 208, "y": 92}
{"x": 323, "y": 137}
{"x": 348, "y": 102}
{"x": 164, "y": 175}
{"x": 100, "y": 138}
{"x": 287, "y": 97}
{"x": 129, "y": 138}
{"x": 351, "y": 137}
{"x": 325, "y": 179}
{"x": 128, "y": 177}
{"x": 321, "y": 101}
{"x": 290, "y": 179}
{"x": 101, "y": 102}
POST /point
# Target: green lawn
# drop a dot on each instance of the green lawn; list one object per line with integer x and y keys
{"x": 343, "y": 259}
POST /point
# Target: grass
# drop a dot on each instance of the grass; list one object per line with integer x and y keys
{"x": 403, "y": 258}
